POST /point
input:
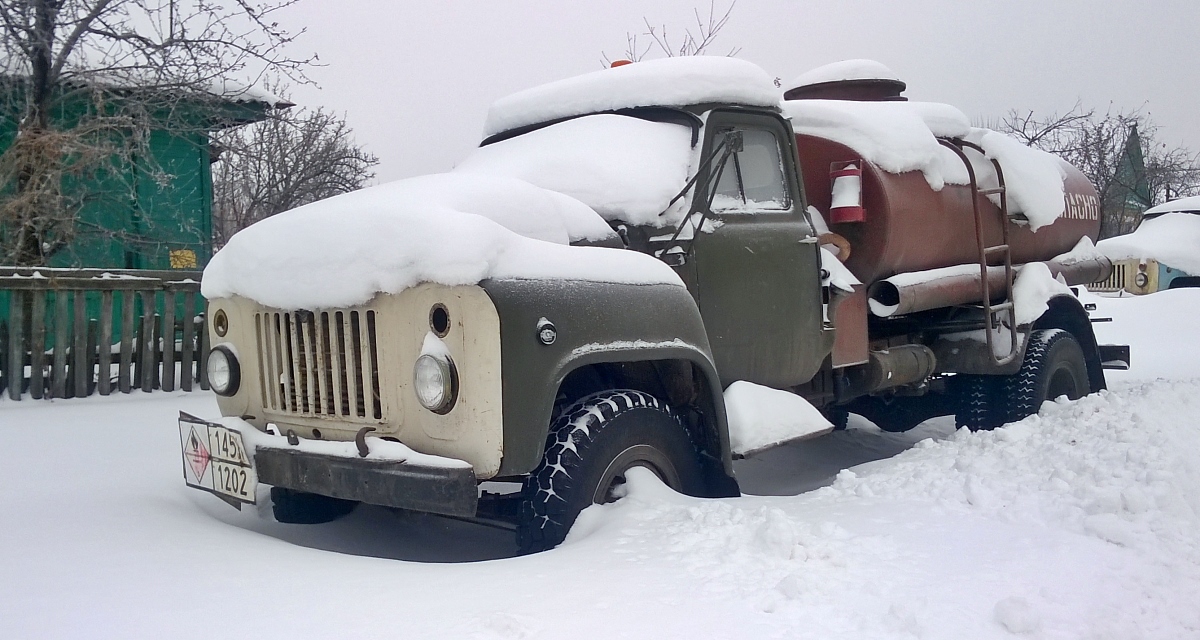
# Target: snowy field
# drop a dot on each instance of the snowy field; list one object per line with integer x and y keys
{"x": 1082, "y": 522}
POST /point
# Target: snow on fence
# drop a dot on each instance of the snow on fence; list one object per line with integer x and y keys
{"x": 74, "y": 332}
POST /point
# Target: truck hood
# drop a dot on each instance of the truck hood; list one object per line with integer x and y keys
{"x": 452, "y": 229}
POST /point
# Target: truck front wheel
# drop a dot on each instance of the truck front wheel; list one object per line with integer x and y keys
{"x": 588, "y": 451}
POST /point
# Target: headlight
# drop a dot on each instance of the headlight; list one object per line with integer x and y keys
{"x": 435, "y": 382}
{"x": 224, "y": 374}
{"x": 1141, "y": 279}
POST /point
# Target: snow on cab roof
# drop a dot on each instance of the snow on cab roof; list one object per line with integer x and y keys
{"x": 1182, "y": 204}
{"x": 451, "y": 229}
{"x": 858, "y": 69}
{"x": 667, "y": 82}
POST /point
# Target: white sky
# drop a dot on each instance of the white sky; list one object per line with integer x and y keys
{"x": 415, "y": 79}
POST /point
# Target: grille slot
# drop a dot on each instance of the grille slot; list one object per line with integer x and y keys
{"x": 323, "y": 364}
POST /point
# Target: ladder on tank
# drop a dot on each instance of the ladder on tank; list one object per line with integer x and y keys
{"x": 1002, "y": 314}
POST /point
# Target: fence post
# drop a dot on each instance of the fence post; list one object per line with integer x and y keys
{"x": 128, "y": 335}
{"x": 168, "y": 340}
{"x": 16, "y": 349}
{"x": 147, "y": 346}
{"x": 58, "y": 371}
{"x": 81, "y": 367}
{"x": 189, "y": 340}
{"x": 37, "y": 344}
{"x": 104, "y": 345}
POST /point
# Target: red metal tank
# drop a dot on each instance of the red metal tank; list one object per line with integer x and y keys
{"x": 911, "y": 227}
{"x": 907, "y": 225}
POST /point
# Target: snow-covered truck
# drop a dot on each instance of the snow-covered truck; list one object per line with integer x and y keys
{"x": 663, "y": 265}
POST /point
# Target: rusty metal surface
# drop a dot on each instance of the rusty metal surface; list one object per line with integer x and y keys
{"x": 893, "y": 300}
{"x": 911, "y": 227}
{"x": 850, "y": 320}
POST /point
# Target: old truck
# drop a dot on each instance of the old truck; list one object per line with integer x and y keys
{"x": 631, "y": 263}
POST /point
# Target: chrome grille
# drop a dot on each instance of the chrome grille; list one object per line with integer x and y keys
{"x": 1115, "y": 280}
{"x": 323, "y": 364}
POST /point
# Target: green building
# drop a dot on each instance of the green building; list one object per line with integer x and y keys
{"x": 150, "y": 206}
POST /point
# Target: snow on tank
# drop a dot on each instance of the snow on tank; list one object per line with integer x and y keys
{"x": 451, "y": 229}
{"x": 900, "y": 136}
{"x": 667, "y": 82}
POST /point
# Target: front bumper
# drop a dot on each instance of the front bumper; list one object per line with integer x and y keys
{"x": 230, "y": 457}
{"x": 448, "y": 491}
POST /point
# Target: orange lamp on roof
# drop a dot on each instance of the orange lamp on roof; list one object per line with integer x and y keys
{"x": 619, "y": 63}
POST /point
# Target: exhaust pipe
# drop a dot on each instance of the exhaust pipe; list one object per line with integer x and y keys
{"x": 958, "y": 285}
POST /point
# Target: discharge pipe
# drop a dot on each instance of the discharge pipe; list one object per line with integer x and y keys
{"x": 951, "y": 286}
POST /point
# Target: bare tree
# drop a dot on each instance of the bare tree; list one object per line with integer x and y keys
{"x": 82, "y": 79}
{"x": 691, "y": 43}
{"x": 1097, "y": 144}
{"x": 288, "y": 160}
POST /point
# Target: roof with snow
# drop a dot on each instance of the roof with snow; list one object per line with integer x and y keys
{"x": 667, "y": 82}
{"x": 1189, "y": 205}
{"x": 1171, "y": 237}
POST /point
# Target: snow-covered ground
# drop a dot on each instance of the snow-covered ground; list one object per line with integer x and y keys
{"x": 1083, "y": 522}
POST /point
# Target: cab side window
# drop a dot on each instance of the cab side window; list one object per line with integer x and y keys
{"x": 752, "y": 179}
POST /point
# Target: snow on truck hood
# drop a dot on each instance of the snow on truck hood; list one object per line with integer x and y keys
{"x": 451, "y": 229}
{"x": 667, "y": 82}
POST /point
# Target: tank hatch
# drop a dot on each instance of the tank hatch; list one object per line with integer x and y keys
{"x": 859, "y": 80}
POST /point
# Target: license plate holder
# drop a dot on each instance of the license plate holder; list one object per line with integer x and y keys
{"x": 215, "y": 460}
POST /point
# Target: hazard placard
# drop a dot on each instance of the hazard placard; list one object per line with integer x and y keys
{"x": 215, "y": 460}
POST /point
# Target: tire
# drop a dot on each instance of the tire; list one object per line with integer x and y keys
{"x": 298, "y": 507}
{"x": 1054, "y": 366}
{"x": 588, "y": 450}
{"x": 980, "y": 400}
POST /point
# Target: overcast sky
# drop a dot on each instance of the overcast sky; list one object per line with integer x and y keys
{"x": 414, "y": 79}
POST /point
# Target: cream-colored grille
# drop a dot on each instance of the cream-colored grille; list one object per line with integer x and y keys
{"x": 1115, "y": 280}
{"x": 322, "y": 364}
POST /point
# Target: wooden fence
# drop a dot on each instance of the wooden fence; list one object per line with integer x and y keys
{"x": 74, "y": 332}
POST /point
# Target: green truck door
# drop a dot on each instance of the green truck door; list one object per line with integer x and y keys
{"x": 757, "y": 269}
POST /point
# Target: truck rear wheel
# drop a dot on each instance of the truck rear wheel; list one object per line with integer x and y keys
{"x": 980, "y": 400}
{"x": 588, "y": 451}
{"x": 1054, "y": 366}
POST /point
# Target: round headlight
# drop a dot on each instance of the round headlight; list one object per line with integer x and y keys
{"x": 435, "y": 383}
{"x": 223, "y": 371}
{"x": 1141, "y": 279}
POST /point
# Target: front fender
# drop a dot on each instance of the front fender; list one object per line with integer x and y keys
{"x": 596, "y": 323}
